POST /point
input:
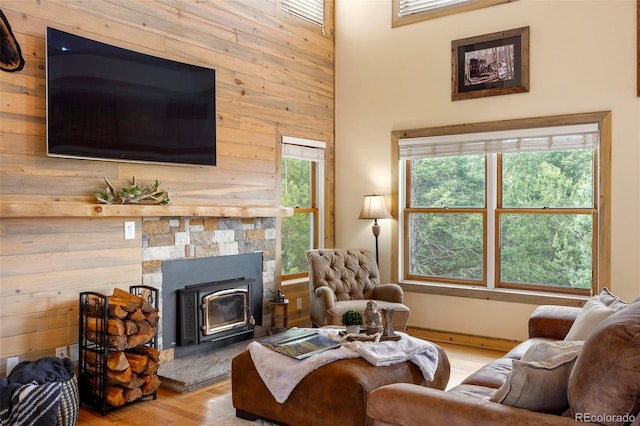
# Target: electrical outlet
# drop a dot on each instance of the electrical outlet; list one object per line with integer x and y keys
{"x": 11, "y": 362}
{"x": 74, "y": 354}
{"x": 129, "y": 230}
{"x": 299, "y": 303}
{"x": 61, "y": 352}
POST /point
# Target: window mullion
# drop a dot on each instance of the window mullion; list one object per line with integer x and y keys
{"x": 491, "y": 234}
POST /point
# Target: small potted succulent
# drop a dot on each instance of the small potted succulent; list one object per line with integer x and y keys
{"x": 352, "y": 319}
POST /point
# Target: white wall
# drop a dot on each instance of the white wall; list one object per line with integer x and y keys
{"x": 583, "y": 59}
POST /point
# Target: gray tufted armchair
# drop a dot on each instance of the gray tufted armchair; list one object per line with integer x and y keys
{"x": 343, "y": 279}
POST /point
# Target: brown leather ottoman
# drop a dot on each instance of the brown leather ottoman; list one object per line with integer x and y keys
{"x": 334, "y": 394}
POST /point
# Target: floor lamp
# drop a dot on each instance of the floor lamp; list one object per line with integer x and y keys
{"x": 374, "y": 207}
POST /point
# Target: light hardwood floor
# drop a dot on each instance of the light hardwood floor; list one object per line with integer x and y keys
{"x": 209, "y": 404}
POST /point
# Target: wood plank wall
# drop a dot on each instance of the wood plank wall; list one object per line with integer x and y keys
{"x": 274, "y": 77}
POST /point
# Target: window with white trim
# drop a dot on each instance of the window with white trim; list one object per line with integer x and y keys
{"x": 410, "y": 11}
{"x": 514, "y": 209}
{"x": 302, "y": 188}
{"x": 408, "y": 7}
{"x": 311, "y": 10}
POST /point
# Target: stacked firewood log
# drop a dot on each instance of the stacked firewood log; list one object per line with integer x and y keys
{"x": 131, "y": 365}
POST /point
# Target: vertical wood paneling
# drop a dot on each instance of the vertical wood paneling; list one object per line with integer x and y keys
{"x": 45, "y": 263}
{"x": 274, "y": 77}
{"x": 273, "y": 70}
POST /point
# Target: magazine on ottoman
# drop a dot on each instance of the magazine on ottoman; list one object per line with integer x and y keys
{"x": 299, "y": 343}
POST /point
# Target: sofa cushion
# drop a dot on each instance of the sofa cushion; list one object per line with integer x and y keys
{"x": 604, "y": 381}
{"x": 472, "y": 391}
{"x": 611, "y": 299}
{"x": 521, "y": 348}
{"x": 493, "y": 375}
{"x": 544, "y": 350}
{"x": 538, "y": 385}
{"x": 592, "y": 314}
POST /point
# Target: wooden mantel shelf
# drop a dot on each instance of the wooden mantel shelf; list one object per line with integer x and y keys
{"x": 129, "y": 210}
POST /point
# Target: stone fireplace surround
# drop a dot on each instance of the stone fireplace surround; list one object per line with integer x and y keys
{"x": 169, "y": 239}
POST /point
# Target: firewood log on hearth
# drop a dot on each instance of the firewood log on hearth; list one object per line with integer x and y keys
{"x": 114, "y": 309}
{"x": 116, "y": 360}
{"x": 136, "y": 315}
{"x": 152, "y": 317}
{"x": 133, "y": 300}
{"x": 135, "y": 382}
{"x": 115, "y": 326}
{"x": 118, "y": 396}
{"x": 121, "y": 304}
{"x": 139, "y": 339}
{"x": 152, "y": 367}
{"x": 115, "y": 396}
{"x": 136, "y": 327}
{"x": 130, "y": 327}
{"x": 114, "y": 378}
{"x": 132, "y": 394}
{"x": 151, "y": 384}
{"x": 119, "y": 377}
{"x": 151, "y": 353}
{"x": 114, "y": 342}
{"x": 138, "y": 378}
{"x": 145, "y": 328}
{"x": 129, "y": 302}
{"x": 137, "y": 362}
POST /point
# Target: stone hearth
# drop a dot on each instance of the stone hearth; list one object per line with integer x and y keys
{"x": 195, "y": 371}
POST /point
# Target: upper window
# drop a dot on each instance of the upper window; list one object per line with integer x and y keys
{"x": 411, "y": 11}
{"x": 311, "y": 10}
{"x": 302, "y": 172}
{"x": 505, "y": 209}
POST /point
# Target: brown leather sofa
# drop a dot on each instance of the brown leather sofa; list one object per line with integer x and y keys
{"x": 603, "y": 384}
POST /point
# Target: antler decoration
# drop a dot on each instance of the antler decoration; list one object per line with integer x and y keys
{"x": 134, "y": 194}
{"x": 10, "y": 55}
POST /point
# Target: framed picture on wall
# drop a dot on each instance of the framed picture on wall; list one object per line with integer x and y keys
{"x": 490, "y": 65}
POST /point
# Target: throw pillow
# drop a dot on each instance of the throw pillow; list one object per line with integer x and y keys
{"x": 611, "y": 299}
{"x": 542, "y": 351}
{"x": 605, "y": 381}
{"x": 593, "y": 313}
{"x": 538, "y": 385}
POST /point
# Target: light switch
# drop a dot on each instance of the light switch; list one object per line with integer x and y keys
{"x": 129, "y": 230}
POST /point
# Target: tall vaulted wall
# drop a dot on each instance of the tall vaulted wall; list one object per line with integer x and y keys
{"x": 275, "y": 77}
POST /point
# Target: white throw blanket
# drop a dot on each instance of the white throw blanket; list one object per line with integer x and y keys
{"x": 281, "y": 373}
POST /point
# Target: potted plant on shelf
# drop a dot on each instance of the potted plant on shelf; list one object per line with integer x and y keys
{"x": 352, "y": 319}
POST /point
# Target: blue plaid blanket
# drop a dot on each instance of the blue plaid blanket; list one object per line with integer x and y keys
{"x": 30, "y": 396}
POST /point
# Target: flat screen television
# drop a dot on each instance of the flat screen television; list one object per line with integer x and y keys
{"x": 109, "y": 103}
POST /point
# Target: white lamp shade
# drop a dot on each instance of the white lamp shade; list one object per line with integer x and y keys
{"x": 374, "y": 207}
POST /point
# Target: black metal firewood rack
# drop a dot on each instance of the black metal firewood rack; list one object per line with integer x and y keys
{"x": 95, "y": 346}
